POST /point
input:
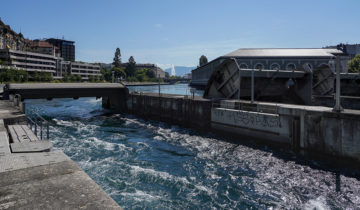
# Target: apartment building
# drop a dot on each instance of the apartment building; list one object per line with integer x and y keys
{"x": 79, "y": 68}
{"x": 30, "y": 61}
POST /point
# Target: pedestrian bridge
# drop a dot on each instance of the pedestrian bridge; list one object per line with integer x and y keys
{"x": 112, "y": 94}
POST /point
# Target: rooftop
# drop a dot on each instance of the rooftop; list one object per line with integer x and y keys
{"x": 284, "y": 52}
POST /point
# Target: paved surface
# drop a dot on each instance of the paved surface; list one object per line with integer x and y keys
{"x": 9, "y": 112}
{"x": 43, "y": 180}
{"x": 61, "y": 185}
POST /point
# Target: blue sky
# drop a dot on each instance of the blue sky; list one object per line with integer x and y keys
{"x": 179, "y": 32}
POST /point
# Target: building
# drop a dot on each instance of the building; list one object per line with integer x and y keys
{"x": 30, "y": 61}
{"x": 352, "y": 49}
{"x": 84, "y": 70}
{"x": 67, "y": 48}
{"x": 44, "y": 47}
{"x": 40, "y": 62}
{"x": 272, "y": 58}
{"x": 187, "y": 76}
{"x": 9, "y": 39}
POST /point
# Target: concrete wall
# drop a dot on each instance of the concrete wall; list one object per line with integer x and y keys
{"x": 173, "y": 109}
{"x": 313, "y": 130}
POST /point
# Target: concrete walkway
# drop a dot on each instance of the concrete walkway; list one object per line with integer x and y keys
{"x": 44, "y": 180}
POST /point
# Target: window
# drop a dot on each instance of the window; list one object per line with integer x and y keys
{"x": 243, "y": 66}
{"x": 291, "y": 66}
{"x": 259, "y": 66}
{"x": 275, "y": 66}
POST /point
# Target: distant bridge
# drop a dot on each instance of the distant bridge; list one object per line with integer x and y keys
{"x": 112, "y": 94}
{"x": 175, "y": 80}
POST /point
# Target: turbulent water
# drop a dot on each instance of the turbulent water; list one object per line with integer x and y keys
{"x": 147, "y": 164}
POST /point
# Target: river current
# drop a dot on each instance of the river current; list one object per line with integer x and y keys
{"x": 154, "y": 165}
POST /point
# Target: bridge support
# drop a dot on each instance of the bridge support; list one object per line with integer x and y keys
{"x": 116, "y": 102}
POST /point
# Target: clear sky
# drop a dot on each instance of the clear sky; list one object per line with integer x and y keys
{"x": 179, "y": 32}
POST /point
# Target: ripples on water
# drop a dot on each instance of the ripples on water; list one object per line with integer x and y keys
{"x": 146, "y": 164}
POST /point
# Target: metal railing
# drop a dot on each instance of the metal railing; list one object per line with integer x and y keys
{"x": 37, "y": 124}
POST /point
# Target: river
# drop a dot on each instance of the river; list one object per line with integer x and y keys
{"x": 154, "y": 165}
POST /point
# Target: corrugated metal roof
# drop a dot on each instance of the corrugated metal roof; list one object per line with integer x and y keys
{"x": 284, "y": 52}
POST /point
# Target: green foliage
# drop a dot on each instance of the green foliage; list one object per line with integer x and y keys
{"x": 145, "y": 75}
{"x": 354, "y": 64}
{"x": 203, "y": 60}
{"x": 13, "y": 75}
{"x": 66, "y": 78}
{"x": 150, "y": 74}
{"x": 131, "y": 67}
{"x": 119, "y": 72}
{"x": 106, "y": 74}
{"x": 117, "y": 58}
{"x": 91, "y": 78}
{"x": 132, "y": 79}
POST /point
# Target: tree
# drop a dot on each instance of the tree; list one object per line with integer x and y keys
{"x": 119, "y": 72}
{"x": 150, "y": 73}
{"x": 130, "y": 69}
{"x": 203, "y": 60}
{"x": 117, "y": 58}
{"x": 354, "y": 64}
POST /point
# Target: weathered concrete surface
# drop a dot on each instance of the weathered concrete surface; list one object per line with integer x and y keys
{"x": 43, "y": 180}
{"x": 175, "y": 109}
{"x": 313, "y": 129}
{"x": 52, "y": 185}
{"x": 255, "y": 124}
{"x": 347, "y": 102}
{"x": 10, "y": 114}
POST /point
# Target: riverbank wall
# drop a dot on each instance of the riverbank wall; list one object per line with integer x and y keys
{"x": 175, "y": 109}
{"x": 307, "y": 129}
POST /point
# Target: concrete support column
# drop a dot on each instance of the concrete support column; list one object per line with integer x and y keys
{"x": 11, "y": 98}
{"x": 22, "y": 106}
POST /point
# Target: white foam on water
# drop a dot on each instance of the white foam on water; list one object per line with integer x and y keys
{"x": 139, "y": 195}
{"x": 163, "y": 175}
{"x": 316, "y": 204}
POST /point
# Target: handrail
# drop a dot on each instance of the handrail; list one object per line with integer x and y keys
{"x": 41, "y": 123}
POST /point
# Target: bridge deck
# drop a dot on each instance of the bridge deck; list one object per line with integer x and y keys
{"x": 64, "y": 90}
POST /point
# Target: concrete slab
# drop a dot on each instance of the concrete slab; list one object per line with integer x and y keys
{"x": 21, "y": 133}
{"x": 35, "y": 146}
{"x": 61, "y": 185}
{"x": 16, "y": 161}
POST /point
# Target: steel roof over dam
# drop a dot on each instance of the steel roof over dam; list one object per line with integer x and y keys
{"x": 284, "y": 52}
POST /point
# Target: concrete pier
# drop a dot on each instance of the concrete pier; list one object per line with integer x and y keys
{"x": 43, "y": 180}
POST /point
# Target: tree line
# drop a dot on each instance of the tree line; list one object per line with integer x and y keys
{"x": 127, "y": 72}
